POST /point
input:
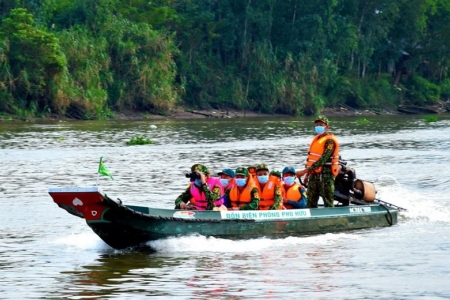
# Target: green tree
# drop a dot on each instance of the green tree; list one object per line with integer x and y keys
{"x": 35, "y": 62}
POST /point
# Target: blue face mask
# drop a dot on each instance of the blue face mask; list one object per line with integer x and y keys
{"x": 319, "y": 129}
{"x": 224, "y": 181}
{"x": 289, "y": 180}
{"x": 263, "y": 178}
{"x": 198, "y": 182}
{"x": 241, "y": 181}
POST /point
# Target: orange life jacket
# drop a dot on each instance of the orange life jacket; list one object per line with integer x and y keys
{"x": 292, "y": 193}
{"x": 267, "y": 194}
{"x": 240, "y": 198}
{"x": 317, "y": 148}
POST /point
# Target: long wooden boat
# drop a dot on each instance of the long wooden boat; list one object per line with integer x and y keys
{"x": 121, "y": 226}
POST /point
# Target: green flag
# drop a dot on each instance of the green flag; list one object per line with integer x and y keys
{"x": 103, "y": 170}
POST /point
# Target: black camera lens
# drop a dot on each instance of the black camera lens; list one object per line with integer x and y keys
{"x": 192, "y": 176}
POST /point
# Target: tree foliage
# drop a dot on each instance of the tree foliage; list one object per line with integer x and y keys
{"x": 87, "y": 58}
{"x": 33, "y": 63}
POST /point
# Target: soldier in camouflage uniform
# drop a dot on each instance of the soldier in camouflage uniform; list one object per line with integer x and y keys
{"x": 182, "y": 201}
{"x": 242, "y": 180}
{"x": 321, "y": 184}
{"x": 262, "y": 172}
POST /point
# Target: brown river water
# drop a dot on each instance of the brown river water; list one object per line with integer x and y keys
{"x": 46, "y": 253}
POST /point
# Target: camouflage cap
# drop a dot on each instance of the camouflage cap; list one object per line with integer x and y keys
{"x": 201, "y": 168}
{"x": 322, "y": 118}
{"x": 242, "y": 171}
{"x": 261, "y": 167}
{"x": 275, "y": 173}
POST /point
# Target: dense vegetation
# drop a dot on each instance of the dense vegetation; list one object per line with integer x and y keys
{"x": 86, "y": 59}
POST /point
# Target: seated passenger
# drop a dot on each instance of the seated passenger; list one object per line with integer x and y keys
{"x": 244, "y": 194}
{"x": 252, "y": 171}
{"x": 269, "y": 188}
{"x": 278, "y": 178}
{"x": 226, "y": 180}
{"x": 203, "y": 192}
{"x": 276, "y": 174}
{"x": 294, "y": 193}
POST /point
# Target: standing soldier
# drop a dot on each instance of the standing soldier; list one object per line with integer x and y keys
{"x": 321, "y": 165}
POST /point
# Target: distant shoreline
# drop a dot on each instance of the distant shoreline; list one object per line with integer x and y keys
{"x": 185, "y": 114}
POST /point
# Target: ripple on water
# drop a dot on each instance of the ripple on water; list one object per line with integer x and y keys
{"x": 47, "y": 253}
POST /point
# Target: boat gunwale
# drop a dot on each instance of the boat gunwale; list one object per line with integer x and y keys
{"x": 218, "y": 216}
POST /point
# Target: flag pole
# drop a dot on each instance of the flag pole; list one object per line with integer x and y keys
{"x": 98, "y": 171}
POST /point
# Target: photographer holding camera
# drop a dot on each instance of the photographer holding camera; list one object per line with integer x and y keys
{"x": 203, "y": 192}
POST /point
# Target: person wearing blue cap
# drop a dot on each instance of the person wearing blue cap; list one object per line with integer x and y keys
{"x": 294, "y": 193}
{"x": 226, "y": 177}
{"x": 226, "y": 180}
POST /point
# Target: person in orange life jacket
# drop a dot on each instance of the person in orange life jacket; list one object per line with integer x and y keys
{"x": 227, "y": 181}
{"x": 278, "y": 179}
{"x": 202, "y": 191}
{"x": 276, "y": 174}
{"x": 294, "y": 193}
{"x": 244, "y": 194}
{"x": 322, "y": 165}
{"x": 269, "y": 188}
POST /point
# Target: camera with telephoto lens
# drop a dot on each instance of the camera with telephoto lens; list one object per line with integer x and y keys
{"x": 192, "y": 176}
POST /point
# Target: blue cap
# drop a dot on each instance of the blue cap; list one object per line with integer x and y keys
{"x": 289, "y": 169}
{"x": 228, "y": 172}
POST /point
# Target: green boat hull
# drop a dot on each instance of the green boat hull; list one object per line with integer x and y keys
{"x": 122, "y": 226}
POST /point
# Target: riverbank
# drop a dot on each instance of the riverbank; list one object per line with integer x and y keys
{"x": 181, "y": 113}
{"x": 186, "y": 113}
{"x": 341, "y": 110}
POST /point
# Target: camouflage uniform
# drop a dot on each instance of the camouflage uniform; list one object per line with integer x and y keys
{"x": 277, "y": 199}
{"x": 321, "y": 184}
{"x": 279, "y": 191}
{"x": 211, "y": 196}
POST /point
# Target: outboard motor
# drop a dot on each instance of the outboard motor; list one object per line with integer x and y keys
{"x": 343, "y": 183}
{"x": 348, "y": 189}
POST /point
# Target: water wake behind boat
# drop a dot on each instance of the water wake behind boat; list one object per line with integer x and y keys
{"x": 203, "y": 244}
{"x": 421, "y": 205}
